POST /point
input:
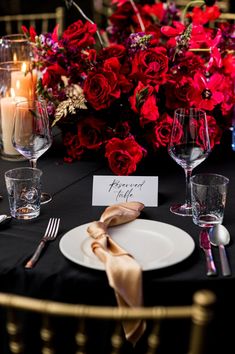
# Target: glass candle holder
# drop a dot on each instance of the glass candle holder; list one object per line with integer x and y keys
{"x": 15, "y": 47}
{"x": 17, "y": 83}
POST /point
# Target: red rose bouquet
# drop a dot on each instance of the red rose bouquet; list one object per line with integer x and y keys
{"x": 116, "y": 97}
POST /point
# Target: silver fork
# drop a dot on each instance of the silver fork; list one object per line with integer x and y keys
{"x": 50, "y": 235}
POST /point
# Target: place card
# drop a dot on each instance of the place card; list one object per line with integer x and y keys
{"x": 109, "y": 190}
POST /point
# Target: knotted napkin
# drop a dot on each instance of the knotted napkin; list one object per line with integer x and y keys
{"x": 123, "y": 272}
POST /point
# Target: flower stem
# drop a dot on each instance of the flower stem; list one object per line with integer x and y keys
{"x": 89, "y": 20}
{"x": 189, "y": 4}
{"x": 138, "y": 15}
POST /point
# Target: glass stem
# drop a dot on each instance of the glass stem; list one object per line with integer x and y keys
{"x": 188, "y": 174}
{"x": 33, "y": 163}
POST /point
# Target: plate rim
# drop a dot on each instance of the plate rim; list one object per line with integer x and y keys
{"x": 101, "y": 267}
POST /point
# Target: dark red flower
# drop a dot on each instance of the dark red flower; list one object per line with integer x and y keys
{"x": 91, "y": 132}
{"x": 101, "y": 88}
{"x": 114, "y": 50}
{"x": 155, "y": 10}
{"x": 150, "y": 66}
{"x": 229, "y": 65}
{"x": 52, "y": 75}
{"x": 144, "y": 102}
{"x": 80, "y": 34}
{"x": 177, "y": 92}
{"x": 200, "y": 16}
{"x": 161, "y": 132}
{"x": 173, "y": 31}
{"x": 74, "y": 149}
{"x": 215, "y": 133}
{"x": 123, "y": 155}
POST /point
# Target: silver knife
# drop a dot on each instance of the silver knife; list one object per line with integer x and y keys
{"x": 206, "y": 246}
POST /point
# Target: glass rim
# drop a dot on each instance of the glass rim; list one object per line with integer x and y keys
{"x": 23, "y": 169}
{"x": 216, "y": 175}
{"x": 14, "y": 35}
{"x": 30, "y": 103}
{"x": 192, "y": 111}
{"x": 12, "y": 65}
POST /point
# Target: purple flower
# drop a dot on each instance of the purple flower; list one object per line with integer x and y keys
{"x": 137, "y": 41}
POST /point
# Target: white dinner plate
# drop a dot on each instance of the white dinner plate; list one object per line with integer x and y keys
{"x": 154, "y": 244}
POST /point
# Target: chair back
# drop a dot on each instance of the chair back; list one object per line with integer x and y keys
{"x": 42, "y": 22}
{"x": 198, "y": 316}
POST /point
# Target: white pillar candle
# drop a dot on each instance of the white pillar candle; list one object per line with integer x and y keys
{"x": 8, "y": 106}
{"x": 22, "y": 84}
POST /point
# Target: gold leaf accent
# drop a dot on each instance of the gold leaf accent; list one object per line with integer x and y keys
{"x": 75, "y": 100}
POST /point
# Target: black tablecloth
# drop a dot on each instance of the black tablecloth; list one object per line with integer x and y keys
{"x": 57, "y": 278}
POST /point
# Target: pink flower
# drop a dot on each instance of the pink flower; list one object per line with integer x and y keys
{"x": 206, "y": 93}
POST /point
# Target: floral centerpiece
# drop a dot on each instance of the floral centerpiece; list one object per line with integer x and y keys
{"x": 113, "y": 92}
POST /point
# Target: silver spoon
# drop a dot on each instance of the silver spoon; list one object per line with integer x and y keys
{"x": 219, "y": 236}
{"x": 4, "y": 219}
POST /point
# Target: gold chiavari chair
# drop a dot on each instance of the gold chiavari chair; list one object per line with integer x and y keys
{"x": 43, "y": 22}
{"x": 223, "y": 4}
{"x": 198, "y": 316}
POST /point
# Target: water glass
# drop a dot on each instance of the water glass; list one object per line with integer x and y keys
{"x": 24, "y": 192}
{"x": 208, "y": 193}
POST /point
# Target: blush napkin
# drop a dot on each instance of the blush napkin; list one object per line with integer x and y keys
{"x": 123, "y": 272}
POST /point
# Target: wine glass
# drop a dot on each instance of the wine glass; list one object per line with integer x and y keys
{"x": 189, "y": 146}
{"x": 31, "y": 133}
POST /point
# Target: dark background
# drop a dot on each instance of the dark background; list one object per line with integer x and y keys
{"x": 12, "y": 7}
{"x": 8, "y": 7}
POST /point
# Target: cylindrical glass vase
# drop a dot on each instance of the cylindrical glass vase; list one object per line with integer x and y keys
{"x": 17, "y": 83}
{"x": 15, "y": 47}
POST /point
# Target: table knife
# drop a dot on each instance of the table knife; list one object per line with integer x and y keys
{"x": 206, "y": 246}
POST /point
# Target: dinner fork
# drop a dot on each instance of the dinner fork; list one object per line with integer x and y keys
{"x": 50, "y": 235}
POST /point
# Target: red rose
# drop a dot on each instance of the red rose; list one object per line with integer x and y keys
{"x": 177, "y": 92}
{"x": 149, "y": 111}
{"x": 115, "y": 50}
{"x": 123, "y": 155}
{"x": 160, "y": 135}
{"x": 101, "y": 88}
{"x": 73, "y": 147}
{"x": 150, "y": 66}
{"x": 80, "y": 34}
{"x": 144, "y": 102}
{"x": 215, "y": 133}
{"x": 52, "y": 75}
{"x": 91, "y": 132}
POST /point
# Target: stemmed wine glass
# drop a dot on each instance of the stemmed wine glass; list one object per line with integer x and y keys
{"x": 189, "y": 146}
{"x": 31, "y": 133}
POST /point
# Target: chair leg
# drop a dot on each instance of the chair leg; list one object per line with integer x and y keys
{"x": 14, "y": 332}
{"x": 203, "y": 303}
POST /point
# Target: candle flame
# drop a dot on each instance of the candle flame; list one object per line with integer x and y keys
{"x": 17, "y": 84}
{"x": 24, "y": 68}
{"x": 14, "y": 57}
{"x": 12, "y": 92}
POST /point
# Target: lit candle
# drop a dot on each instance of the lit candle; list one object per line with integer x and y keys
{"x": 23, "y": 82}
{"x": 8, "y": 106}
